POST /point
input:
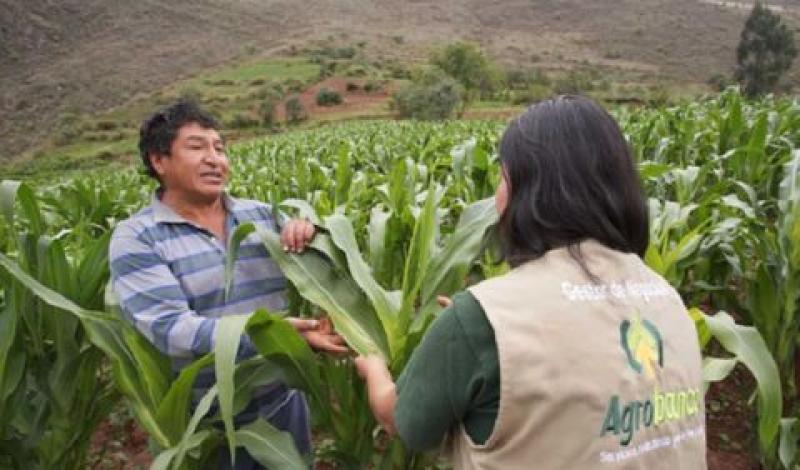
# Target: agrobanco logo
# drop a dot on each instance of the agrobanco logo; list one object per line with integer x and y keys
{"x": 644, "y": 350}
{"x": 643, "y": 346}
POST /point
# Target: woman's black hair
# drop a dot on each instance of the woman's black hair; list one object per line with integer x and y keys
{"x": 158, "y": 131}
{"x": 571, "y": 177}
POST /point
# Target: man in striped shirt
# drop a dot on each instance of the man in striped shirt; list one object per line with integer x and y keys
{"x": 168, "y": 260}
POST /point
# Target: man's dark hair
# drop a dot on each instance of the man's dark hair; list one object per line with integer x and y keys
{"x": 571, "y": 177}
{"x": 160, "y": 130}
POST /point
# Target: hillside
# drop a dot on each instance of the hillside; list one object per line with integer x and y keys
{"x": 79, "y": 57}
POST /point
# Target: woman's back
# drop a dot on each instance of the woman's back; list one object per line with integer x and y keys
{"x": 593, "y": 373}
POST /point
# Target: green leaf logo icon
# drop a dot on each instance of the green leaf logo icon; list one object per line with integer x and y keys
{"x": 642, "y": 344}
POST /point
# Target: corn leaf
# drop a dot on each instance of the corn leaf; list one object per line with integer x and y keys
{"x": 269, "y": 446}
{"x": 341, "y": 231}
{"x": 419, "y": 253}
{"x": 787, "y": 449}
{"x": 316, "y": 279}
{"x": 49, "y": 296}
{"x": 227, "y": 338}
{"x": 277, "y": 340}
{"x": 448, "y": 267}
{"x": 234, "y": 242}
{"x": 191, "y": 438}
{"x": 173, "y": 411}
{"x": 749, "y": 348}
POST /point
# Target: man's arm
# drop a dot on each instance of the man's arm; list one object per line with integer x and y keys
{"x": 154, "y": 301}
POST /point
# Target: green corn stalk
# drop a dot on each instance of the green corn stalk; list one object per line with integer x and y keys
{"x": 52, "y": 394}
{"x": 334, "y": 275}
{"x": 747, "y": 347}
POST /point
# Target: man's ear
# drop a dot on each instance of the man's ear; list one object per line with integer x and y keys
{"x": 158, "y": 162}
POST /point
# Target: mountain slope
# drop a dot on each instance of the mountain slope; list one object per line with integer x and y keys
{"x": 84, "y": 56}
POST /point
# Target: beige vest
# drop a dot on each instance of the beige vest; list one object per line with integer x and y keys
{"x": 593, "y": 375}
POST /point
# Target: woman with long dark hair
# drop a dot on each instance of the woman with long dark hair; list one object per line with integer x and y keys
{"x": 580, "y": 357}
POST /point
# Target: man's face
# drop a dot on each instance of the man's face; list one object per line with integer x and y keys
{"x": 197, "y": 167}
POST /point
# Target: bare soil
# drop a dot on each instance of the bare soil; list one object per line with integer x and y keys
{"x": 119, "y": 444}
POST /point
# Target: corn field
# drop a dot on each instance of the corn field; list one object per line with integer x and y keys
{"x": 407, "y": 214}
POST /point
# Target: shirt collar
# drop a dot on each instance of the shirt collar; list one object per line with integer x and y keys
{"x": 164, "y": 213}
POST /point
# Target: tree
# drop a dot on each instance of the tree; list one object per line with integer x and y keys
{"x": 766, "y": 50}
{"x": 470, "y": 67}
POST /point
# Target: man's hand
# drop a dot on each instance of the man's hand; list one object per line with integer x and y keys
{"x": 319, "y": 334}
{"x": 303, "y": 324}
{"x": 325, "y": 339}
{"x": 296, "y": 234}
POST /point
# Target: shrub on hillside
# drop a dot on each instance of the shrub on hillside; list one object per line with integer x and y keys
{"x": 295, "y": 111}
{"x": 398, "y": 71}
{"x": 294, "y": 85}
{"x": 68, "y": 129}
{"x": 524, "y": 78}
{"x": 720, "y": 82}
{"x": 432, "y": 96}
{"x": 319, "y": 56}
{"x": 223, "y": 82}
{"x": 326, "y": 97}
{"x": 191, "y": 94}
{"x": 573, "y": 83}
{"x": 326, "y": 69}
{"x": 242, "y": 120}
{"x": 356, "y": 70}
{"x": 533, "y": 94}
{"x": 373, "y": 86}
{"x": 105, "y": 125}
{"x": 266, "y": 109}
{"x": 344, "y": 52}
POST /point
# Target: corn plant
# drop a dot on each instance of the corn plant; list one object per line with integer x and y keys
{"x": 162, "y": 403}
{"x": 334, "y": 275}
{"x": 747, "y": 346}
{"x": 54, "y": 387}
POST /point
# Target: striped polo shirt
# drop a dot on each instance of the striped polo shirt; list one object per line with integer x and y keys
{"x": 168, "y": 274}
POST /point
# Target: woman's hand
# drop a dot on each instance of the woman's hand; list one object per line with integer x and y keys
{"x": 297, "y": 234}
{"x": 371, "y": 366}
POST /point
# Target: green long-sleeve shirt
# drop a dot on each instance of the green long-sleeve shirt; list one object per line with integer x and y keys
{"x": 452, "y": 377}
